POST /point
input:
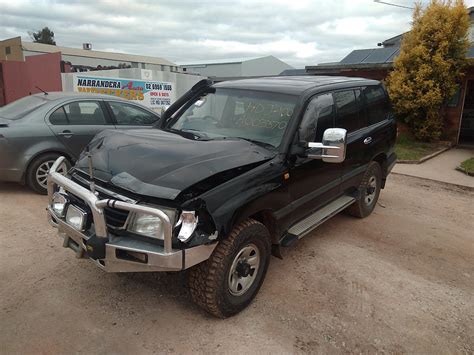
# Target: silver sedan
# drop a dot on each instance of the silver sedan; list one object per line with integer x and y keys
{"x": 37, "y": 129}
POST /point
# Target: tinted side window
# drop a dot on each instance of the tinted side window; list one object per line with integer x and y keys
{"x": 319, "y": 116}
{"x": 58, "y": 117}
{"x": 376, "y": 104}
{"x": 85, "y": 113}
{"x": 347, "y": 110}
{"x": 131, "y": 115}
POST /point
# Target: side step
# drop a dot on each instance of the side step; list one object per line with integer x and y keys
{"x": 303, "y": 227}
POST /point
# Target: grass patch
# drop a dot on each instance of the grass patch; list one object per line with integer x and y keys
{"x": 408, "y": 148}
{"x": 468, "y": 165}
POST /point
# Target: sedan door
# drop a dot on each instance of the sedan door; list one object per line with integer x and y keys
{"x": 130, "y": 116}
{"x": 76, "y": 123}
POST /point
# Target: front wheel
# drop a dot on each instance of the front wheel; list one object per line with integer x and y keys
{"x": 230, "y": 279}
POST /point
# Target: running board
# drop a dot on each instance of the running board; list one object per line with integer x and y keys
{"x": 300, "y": 229}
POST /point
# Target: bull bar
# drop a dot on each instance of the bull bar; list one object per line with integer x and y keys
{"x": 157, "y": 257}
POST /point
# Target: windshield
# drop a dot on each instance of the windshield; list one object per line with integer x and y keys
{"x": 260, "y": 117}
{"x": 21, "y": 107}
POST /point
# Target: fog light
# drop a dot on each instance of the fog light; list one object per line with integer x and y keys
{"x": 59, "y": 204}
{"x": 76, "y": 217}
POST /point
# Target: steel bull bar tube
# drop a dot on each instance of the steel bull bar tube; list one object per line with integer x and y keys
{"x": 142, "y": 209}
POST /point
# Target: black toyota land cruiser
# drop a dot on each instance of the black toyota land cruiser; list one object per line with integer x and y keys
{"x": 232, "y": 172}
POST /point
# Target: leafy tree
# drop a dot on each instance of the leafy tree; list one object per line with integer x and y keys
{"x": 431, "y": 62}
{"x": 45, "y": 36}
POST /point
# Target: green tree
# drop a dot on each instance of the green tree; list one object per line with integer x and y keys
{"x": 430, "y": 64}
{"x": 45, "y": 36}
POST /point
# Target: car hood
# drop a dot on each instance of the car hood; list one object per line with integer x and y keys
{"x": 162, "y": 164}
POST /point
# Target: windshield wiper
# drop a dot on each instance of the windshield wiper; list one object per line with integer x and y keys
{"x": 262, "y": 144}
{"x": 189, "y": 133}
{"x": 196, "y": 132}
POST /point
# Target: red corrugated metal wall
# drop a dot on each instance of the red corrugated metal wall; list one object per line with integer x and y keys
{"x": 21, "y": 78}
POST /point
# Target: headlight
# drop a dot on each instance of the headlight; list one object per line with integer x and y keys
{"x": 59, "y": 204}
{"x": 76, "y": 217}
{"x": 188, "y": 221}
{"x": 149, "y": 225}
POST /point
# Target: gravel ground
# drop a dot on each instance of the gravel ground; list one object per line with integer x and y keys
{"x": 399, "y": 281}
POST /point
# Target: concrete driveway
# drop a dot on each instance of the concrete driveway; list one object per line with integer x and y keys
{"x": 399, "y": 281}
{"x": 441, "y": 168}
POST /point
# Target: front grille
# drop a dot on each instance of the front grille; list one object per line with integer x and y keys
{"x": 114, "y": 218}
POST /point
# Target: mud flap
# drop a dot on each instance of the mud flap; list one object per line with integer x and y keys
{"x": 276, "y": 251}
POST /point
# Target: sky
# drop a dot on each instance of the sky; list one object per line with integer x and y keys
{"x": 299, "y": 32}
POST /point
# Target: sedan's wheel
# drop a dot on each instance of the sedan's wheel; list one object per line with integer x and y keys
{"x": 369, "y": 191}
{"x": 43, "y": 169}
{"x": 230, "y": 279}
{"x": 37, "y": 173}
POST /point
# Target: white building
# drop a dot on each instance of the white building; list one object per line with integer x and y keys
{"x": 238, "y": 67}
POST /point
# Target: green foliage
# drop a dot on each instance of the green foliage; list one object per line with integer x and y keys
{"x": 408, "y": 148}
{"x": 431, "y": 63}
{"x": 45, "y": 36}
{"x": 468, "y": 165}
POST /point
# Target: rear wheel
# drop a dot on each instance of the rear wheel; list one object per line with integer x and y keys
{"x": 369, "y": 191}
{"x": 230, "y": 279}
{"x": 37, "y": 173}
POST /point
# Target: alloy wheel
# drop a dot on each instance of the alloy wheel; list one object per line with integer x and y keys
{"x": 43, "y": 169}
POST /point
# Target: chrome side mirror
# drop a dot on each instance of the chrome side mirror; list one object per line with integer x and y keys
{"x": 333, "y": 147}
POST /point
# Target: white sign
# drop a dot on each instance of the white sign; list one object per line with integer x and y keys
{"x": 152, "y": 94}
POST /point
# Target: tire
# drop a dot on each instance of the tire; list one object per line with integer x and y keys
{"x": 36, "y": 173}
{"x": 369, "y": 190}
{"x": 214, "y": 284}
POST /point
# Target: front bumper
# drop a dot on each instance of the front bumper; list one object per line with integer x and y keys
{"x": 122, "y": 254}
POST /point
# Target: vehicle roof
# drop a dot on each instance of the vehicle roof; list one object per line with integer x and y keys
{"x": 61, "y": 95}
{"x": 295, "y": 85}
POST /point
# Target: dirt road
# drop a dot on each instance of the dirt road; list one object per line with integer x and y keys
{"x": 399, "y": 281}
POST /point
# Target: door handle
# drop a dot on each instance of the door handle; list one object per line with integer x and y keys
{"x": 368, "y": 140}
{"x": 66, "y": 134}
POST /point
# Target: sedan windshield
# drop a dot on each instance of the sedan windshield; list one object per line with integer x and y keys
{"x": 19, "y": 108}
{"x": 259, "y": 117}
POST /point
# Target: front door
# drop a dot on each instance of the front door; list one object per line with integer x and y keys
{"x": 312, "y": 182}
{"x": 76, "y": 123}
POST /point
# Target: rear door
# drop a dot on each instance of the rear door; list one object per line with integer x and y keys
{"x": 367, "y": 126}
{"x": 350, "y": 115}
{"x": 129, "y": 116}
{"x": 77, "y": 122}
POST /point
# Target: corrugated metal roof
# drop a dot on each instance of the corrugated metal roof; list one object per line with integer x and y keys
{"x": 219, "y": 61}
{"x": 121, "y": 57}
